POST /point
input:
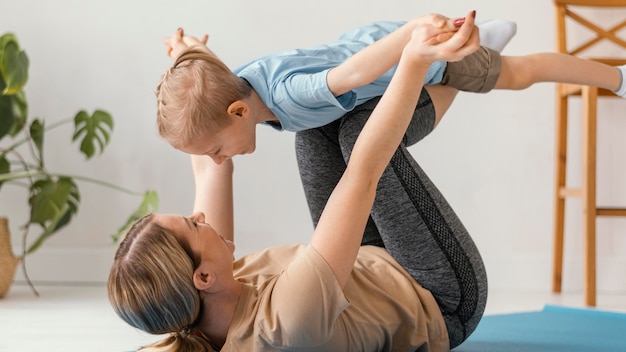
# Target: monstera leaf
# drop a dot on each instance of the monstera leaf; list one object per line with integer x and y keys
{"x": 95, "y": 131}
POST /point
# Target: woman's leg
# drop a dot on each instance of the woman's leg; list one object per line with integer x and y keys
{"x": 321, "y": 161}
{"x": 321, "y": 165}
{"x": 416, "y": 224}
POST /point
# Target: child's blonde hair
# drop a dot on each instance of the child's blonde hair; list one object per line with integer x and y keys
{"x": 193, "y": 97}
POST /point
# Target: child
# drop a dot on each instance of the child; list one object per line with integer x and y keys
{"x": 289, "y": 90}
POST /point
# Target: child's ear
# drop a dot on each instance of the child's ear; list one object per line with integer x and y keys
{"x": 238, "y": 109}
{"x": 203, "y": 278}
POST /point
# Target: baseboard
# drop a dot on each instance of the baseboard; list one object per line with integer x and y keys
{"x": 59, "y": 265}
{"x": 505, "y": 272}
{"x": 534, "y": 272}
{"x": 68, "y": 265}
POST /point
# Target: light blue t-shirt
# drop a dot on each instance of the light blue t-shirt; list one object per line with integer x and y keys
{"x": 293, "y": 84}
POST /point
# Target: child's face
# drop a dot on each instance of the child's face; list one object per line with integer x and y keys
{"x": 238, "y": 138}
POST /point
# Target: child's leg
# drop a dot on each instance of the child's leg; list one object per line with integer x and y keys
{"x": 442, "y": 98}
{"x": 485, "y": 70}
{"x": 520, "y": 72}
{"x": 477, "y": 73}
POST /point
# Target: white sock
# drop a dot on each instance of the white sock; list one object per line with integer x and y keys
{"x": 621, "y": 91}
{"x": 495, "y": 34}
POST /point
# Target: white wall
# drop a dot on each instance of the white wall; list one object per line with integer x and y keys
{"x": 492, "y": 155}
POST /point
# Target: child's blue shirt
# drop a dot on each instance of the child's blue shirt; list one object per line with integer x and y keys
{"x": 293, "y": 83}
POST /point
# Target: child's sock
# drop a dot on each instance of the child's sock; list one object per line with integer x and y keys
{"x": 495, "y": 34}
{"x": 621, "y": 91}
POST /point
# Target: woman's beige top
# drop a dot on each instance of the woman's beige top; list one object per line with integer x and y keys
{"x": 291, "y": 301}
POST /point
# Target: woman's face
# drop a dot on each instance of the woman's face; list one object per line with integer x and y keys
{"x": 198, "y": 238}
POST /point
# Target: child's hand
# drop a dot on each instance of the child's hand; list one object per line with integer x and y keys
{"x": 179, "y": 42}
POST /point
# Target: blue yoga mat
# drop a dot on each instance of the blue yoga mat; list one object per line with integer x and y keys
{"x": 554, "y": 329}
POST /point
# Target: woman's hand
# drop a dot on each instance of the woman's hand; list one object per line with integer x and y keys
{"x": 179, "y": 42}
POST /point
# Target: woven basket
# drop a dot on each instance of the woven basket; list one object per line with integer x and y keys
{"x": 8, "y": 261}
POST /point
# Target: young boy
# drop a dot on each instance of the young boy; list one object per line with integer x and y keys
{"x": 281, "y": 85}
{"x": 204, "y": 108}
{"x": 289, "y": 89}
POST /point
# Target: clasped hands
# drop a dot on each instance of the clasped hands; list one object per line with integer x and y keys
{"x": 436, "y": 38}
{"x": 439, "y": 38}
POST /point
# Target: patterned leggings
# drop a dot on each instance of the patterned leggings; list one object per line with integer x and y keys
{"x": 410, "y": 217}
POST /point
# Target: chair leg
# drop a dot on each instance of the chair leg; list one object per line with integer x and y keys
{"x": 560, "y": 163}
{"x": 589, "y": 101}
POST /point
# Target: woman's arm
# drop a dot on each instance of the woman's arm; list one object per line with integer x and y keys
{"x": 370, "y": 63}
{"x": 214, "y": 193}
{"x": 337, "y": 236}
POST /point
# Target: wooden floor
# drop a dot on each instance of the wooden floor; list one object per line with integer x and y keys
{"x": 79, "y": 318}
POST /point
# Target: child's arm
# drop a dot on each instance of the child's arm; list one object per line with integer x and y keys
{"x": 337, "y": 236}
{"x": 214, "y": 193}
{"x": 370, "y": 63}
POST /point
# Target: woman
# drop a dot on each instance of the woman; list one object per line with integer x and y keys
{"x": 418, "y": 283}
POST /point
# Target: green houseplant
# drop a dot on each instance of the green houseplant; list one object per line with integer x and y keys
{"x": 53, "y": 198}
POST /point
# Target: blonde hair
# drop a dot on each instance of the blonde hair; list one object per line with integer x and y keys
{"x": 151, "y": 287}
{"x": 193, "y": 97}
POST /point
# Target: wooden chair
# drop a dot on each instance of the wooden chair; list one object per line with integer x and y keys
{"x": 567, "y": 12}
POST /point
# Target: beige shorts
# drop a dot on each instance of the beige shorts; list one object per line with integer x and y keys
{"x": 476, "y": 73}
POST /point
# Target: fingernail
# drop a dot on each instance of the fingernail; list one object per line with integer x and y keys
{"x": 474, "y": 14}
{"x": 459, "y": 21}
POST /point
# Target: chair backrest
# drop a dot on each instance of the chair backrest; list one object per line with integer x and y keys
{"x": 570, "y": 9}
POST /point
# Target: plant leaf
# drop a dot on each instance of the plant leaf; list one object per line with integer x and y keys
{"x": 7, "y": 118}
{"x": 20, "y": 112}
{"x": 49, "y": 230}
{"x": 149, "y": 203}
{"x": 13, "y": 65}
{"x": 53, "y": 203}
{"x": 94, "y": 128}
{"x": 37, "y": 131}
{"x": 5, "y": 166}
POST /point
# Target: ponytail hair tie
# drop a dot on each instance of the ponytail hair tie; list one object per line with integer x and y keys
{"x": 185, "y": 332}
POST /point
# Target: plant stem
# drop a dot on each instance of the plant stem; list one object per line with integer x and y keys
{"x": 104, "y": 184}
{"x": 24, "y": 241}
{"x": 30, "y": 283}
{"x": 81, "y": 178}
{"x": 48, "y": 128}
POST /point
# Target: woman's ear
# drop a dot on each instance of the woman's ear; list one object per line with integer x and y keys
{"x": 203, "y": 278}
{"x": 238, "y": 109}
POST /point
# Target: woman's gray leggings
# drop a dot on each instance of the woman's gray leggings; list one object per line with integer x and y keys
{"x": 410, "y": 217}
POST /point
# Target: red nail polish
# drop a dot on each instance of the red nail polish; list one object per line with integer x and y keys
{"x": 474, "y": 14}
{"x": 459, "y": 22}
